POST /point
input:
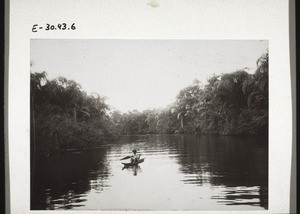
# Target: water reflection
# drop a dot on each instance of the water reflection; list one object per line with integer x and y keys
{"x": 134, "y": 169}
{"x": 182, "y": 172}
{"x": 238, "y": 164}
{"x": 252, "y": 196}
{"x": 63, "y": 181}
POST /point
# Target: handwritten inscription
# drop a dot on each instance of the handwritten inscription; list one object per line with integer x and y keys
{"x": 53, "y": 27}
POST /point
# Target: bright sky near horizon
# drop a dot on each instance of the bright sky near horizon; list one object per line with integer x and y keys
{"x": 141, "y": 74}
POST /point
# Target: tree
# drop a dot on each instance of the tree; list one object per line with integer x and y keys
{"x": 64, "y": 116}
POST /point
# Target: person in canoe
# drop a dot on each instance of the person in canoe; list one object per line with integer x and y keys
{"x": 135, "y": 157}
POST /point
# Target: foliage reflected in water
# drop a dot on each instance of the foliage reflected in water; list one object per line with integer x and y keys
{"x": 237, "y": 163}
{"x": 246, "y": 196}
{"x": 232, "y": 162}
{"x": 63, "y": 181}
{"x": 234, "y": 171}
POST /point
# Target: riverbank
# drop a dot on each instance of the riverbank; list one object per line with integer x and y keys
{"x": 63, "y": 116}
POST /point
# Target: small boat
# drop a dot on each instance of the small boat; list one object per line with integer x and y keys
{"x": 135, "y": 163}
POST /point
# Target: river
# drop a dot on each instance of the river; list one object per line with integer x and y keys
{"x": 180, "y": 172}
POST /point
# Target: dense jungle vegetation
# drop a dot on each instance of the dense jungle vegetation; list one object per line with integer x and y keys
{"x": 63, "y": 116}
{"x": 229, "y": 104}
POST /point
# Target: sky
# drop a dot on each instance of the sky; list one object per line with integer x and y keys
{"x": 141, "y": 74}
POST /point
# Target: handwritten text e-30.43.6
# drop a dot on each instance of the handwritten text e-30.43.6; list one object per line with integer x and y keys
{"x": 49, "y": 27}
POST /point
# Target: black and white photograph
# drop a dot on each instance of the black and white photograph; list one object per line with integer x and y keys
{"x": 149, "y": 124}
{"x": 150, "y": 106}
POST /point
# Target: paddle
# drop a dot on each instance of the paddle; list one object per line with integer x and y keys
{"x": 127, "y": 157}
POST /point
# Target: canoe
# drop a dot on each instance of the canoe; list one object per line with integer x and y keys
{"x": 134, "y": 164}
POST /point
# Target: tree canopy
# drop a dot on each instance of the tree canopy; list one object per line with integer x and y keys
{"x": 64, "y": 116}
{"x": 234, "y": 103}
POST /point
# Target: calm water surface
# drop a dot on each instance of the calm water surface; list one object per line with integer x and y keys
{"x": 180, "y": 172}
